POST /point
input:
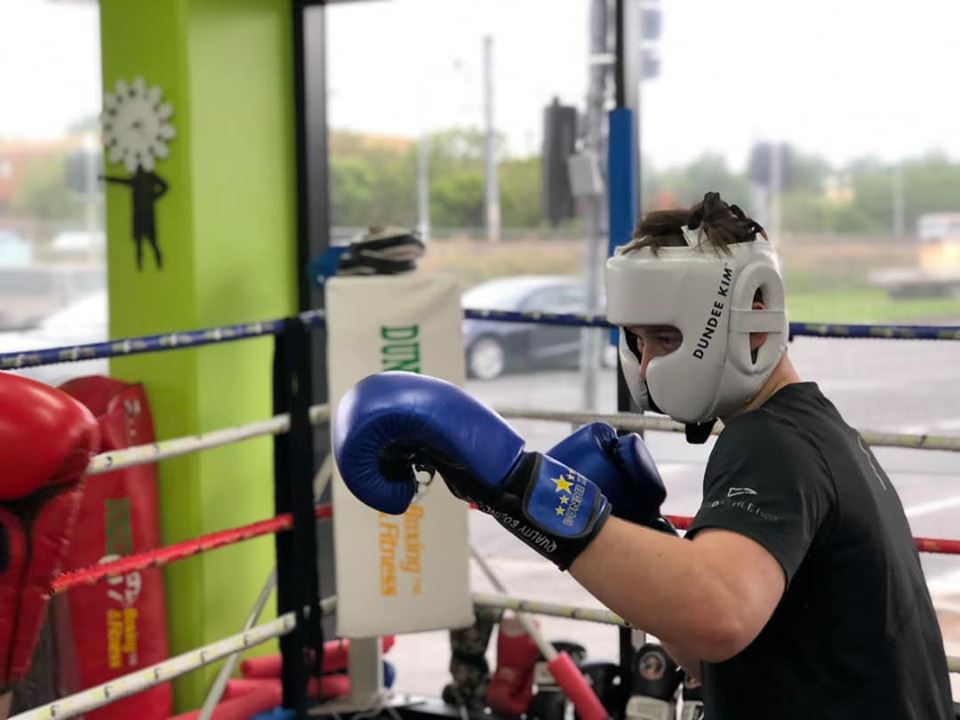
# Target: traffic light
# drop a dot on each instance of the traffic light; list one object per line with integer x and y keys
{"x": 760, "y": 164}
{"x": 559, "y": 143}
{"x": 642, "y": 29}
{"x": 651, "y": 28}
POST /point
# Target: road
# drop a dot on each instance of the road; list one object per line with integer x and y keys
{"x": 886, "y": 385}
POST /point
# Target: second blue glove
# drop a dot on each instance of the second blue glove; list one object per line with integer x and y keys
{"x": 623, "y": 469}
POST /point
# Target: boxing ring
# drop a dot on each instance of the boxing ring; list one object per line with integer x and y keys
{"x": 293, "y": 525}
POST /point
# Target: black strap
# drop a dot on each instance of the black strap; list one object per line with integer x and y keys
{"x": 697, "y": 433}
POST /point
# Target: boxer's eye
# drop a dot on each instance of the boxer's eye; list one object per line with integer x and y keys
{"x": 662, "y": 341}
{"x": 669, "y": 340}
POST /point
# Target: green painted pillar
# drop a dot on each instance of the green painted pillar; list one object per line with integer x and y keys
{"x": 226, "y": 229}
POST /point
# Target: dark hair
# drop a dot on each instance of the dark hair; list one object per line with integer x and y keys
{"x": 723, "y": 225}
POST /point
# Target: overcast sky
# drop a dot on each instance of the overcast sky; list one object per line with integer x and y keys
{"x": 842, "y": 78}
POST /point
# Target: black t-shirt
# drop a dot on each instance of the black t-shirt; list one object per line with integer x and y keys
{"x": 855, "y": 635}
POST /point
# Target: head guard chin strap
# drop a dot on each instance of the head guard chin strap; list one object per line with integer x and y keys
{"x": 707, "y": 294}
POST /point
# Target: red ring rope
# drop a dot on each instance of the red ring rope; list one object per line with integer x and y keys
{"x": 924, "y": 545}
{"x": 178, "y": 551}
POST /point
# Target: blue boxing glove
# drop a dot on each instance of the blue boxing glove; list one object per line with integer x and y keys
{"x": 388, "y": 425}
{"x": 623, "y": 469}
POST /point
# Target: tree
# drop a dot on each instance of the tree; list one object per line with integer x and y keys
{"x": 42, "y": 191}
{"x": 809, "y": 173}
{"x": 457, "y": 189}
{"x": 520, "y": 204}
{"x": 456, "y": 199}
{"x": 805, "y": 212}
{"x": 349, "y": 190}
{"x": 707, "y": 173}
{"x": 930, "y": 183}
{"x": 372, "y": 180}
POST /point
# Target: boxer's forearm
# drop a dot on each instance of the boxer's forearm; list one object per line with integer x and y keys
{"x": 669, "y": 587}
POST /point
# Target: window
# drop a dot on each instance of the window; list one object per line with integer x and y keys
{"x": 51, "y": 238}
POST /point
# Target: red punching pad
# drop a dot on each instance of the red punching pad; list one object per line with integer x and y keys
{"x": 117, "y": 626}
{"x": 241, "y": 703}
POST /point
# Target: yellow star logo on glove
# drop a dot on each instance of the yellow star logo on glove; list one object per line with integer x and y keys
{"x": 564, "y": 499}
{"x": 560, "y": 510}
{"x": 562, "y": 485}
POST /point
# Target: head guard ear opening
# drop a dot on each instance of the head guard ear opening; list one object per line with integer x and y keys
{"x": 761, "y": 276}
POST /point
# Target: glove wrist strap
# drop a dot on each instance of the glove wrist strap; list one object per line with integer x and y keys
{"x": 553, "y": 509}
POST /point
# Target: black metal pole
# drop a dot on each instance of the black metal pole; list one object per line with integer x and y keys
{"x": 287, "y": 388}
{"x": 297, "y": 576}
{"x": 313, "y": 237}
{"x": 293, "y": 672}
{"x": 623, "y": 393}
{"x": 310, "y": 106}
{"x": 619, "y": 68}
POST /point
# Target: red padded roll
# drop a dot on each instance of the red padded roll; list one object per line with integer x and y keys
{"x": 117, "y": 626}
{"x": 575, "y": 687}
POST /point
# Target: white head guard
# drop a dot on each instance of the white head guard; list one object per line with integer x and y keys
{"x": 707, "y": 294}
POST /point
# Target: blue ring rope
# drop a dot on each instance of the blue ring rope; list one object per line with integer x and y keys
{"x": 316, "y": 318}
{"x": 138, "y": 345}
{"x": 152, "y": 343}
{"x": 797, "y": 329}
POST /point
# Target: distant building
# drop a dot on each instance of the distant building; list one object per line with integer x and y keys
{"x": 937, "y": 272}
{"x": 939, "y": 241}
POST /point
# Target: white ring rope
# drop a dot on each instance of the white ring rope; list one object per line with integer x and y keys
{"x": 152, "y": 452}
{"x": 548, "y": 651}
{"x": 571, "y": 612}
{"x": 163, "y": 449}
{"x": 140, "y": 680}
{"x": 502, "y": 602}
{"x": 162, "y": 672}
{"x": 121, "y": 687}
{"x": 320, "y": 482}
{"x": 226, "y": 670}
{"x": 637, "y": 423}
{"x": 279, "y": 424}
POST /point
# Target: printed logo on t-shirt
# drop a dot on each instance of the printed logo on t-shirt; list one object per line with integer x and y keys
{"x": 737, "y": 491}
{"x": 746, "y": 505}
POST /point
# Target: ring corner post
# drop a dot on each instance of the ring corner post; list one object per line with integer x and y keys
{"x": 296, "y": 551}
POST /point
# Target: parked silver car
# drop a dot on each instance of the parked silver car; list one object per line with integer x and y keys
{"x": 492, "y": 347}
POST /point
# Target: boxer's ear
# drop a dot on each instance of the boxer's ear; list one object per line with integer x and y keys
{"x": 757, "y": 338}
